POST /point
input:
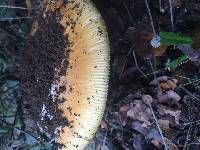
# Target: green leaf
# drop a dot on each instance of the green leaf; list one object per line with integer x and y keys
{"x": 5, "y": 129}
{"x": 48, "y": 146}
{"x": 10, "y": 120}
{"x": 30, "y": 140}
{"x": 35, "y": 148}
{"x": 12, "y": 83}
{"x": 25, "y": 28}
{"x": 171, "y": 38}
{"x": 18, "y": 123}
{"x": 6, "y": 12}
{"x": 2, "y": 2}
{"x": 173, "y": 64}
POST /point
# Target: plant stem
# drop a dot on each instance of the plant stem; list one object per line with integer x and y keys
{"x": 158, "y": 126}
{"x": 150, "y": 16}
{"x": 160, "y": 5}
{"x": 171, "y": 14}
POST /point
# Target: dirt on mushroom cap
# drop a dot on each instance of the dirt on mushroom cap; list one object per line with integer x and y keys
{"x": 44, "y": 61}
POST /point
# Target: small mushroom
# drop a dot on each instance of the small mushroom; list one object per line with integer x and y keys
{"x": 86, "y": 79}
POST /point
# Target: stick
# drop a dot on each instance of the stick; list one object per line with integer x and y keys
{"x": 17, "y": 18}
{"x": 158, "y": 126}
{"x": 150, "y": 16}
{"x": 15, "y": 7}
{"x": 171, "y": 13}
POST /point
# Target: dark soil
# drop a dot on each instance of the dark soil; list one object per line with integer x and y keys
{"x": 41, "y": 67}
{"x": 127, "y": 23}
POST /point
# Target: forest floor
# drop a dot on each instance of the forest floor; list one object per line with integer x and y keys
{"x": 154, "y": 95}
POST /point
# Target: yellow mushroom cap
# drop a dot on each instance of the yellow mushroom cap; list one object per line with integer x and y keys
{"x": 86, "y": 78}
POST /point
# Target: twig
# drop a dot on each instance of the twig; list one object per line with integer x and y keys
{"x": 171, "y": 14}
{"x": 3, "y": 117}
{"x": 16, "y": 18}
{"x": 158, "y": 126}
{"x": 11, "y": 88}
{"x": 187, "y": 138}
{"x": 136, "y": 64}
{"x": 188, "y": 92}
{"x": 157, "y": 71}
{"x": 154, "y": 74}
{"x": 188, "y": 123}
{"x": 121, "y": 125}
{"x": 185, "y": 77}
{"x": 160, "y": 5}
{"x": 15, "y": 7}
{"x": 195, "y": 81}
{"x": 104, "y": 139}
{"x": 129, "y": 14}
{"x": 26, "y": 133}
{"x": 120, "y": 76}
{"x": 150, "y": 16}
{"x": 191, "y": 81}
{"x": 194, "y": 143}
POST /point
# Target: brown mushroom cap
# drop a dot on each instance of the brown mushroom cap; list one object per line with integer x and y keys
{"x": 86, "y": 78}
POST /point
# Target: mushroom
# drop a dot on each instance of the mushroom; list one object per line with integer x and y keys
{"x": 85, "y": 80}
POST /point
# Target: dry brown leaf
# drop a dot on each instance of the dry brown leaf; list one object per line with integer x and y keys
{"x": 139, "y": 127}
{"x": 173, "y": 95}
{"x": 172, "y": 112}
{"x": 104, "y": 125}
{"x": 164, "y": 125}
{"x": 155, "y": 138}
{"x": 124, "y": 108}
{"x": 175, "y": 113}
{"x": 137, "y": 142}
{"x": 168, "y": 97}
{"x": 159, "y": 50}
{"x": 141, "y": 112}
{"x": 157, "y": 143}
{"x": 147, "y": 99}
{"x": 171, "y": 145}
